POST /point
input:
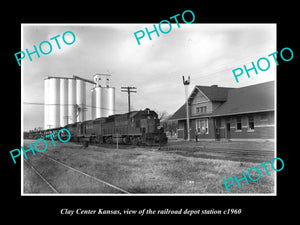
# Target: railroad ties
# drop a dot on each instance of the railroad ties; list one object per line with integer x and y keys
{"x": 235, "y": 154}
{"x": 56, "y": 180}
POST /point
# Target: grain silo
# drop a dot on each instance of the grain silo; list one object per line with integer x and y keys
{"x": 71, "y": 101}
{"x": 80, "y": 100}
{"x": 103, "y": 97}
{"x": 63, "y": 102}
{"x": 107, "y": 101}
{"x": 53, "y": 102}
{"x": 46, "y": 102}
{"x": 93, "y": 104}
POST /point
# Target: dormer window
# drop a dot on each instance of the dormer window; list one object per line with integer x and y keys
{"x": 201, "y": 109}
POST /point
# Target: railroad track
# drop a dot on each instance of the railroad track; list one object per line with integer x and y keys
{"x": 45, "y": 181}
{"x": 222, "y": 153}
{"x": 107, "y": 185}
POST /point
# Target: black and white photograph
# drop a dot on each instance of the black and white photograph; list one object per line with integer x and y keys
{"x": 150, "y": 110}
{"x": 105, "y": 114}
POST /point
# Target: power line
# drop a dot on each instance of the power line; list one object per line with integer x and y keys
{"x": 238, "y": 63}
{"x": 58, "y": 104}
{"x": 128, "y": 90}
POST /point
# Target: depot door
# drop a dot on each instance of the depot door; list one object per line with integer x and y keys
{"x": 217, "y": 123}
{"x": 228, "y": 129}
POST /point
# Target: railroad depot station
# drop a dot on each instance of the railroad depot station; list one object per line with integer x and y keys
{"x": 221, "y": 113}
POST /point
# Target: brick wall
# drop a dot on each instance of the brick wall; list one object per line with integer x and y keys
{"x": 263, "y": 126}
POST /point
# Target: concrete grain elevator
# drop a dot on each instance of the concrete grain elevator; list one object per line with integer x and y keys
{"x": 65, "y": 100}
{"x": 103, "y": 97}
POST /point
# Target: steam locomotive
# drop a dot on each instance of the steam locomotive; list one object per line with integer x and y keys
{"x": 136, "y": 128}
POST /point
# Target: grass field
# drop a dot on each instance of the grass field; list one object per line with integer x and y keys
{"x": 140, "y": 170}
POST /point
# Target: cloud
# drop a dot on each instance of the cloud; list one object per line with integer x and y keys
{"x": 206, "y": 52}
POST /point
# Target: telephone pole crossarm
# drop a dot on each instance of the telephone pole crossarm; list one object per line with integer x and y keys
{"x": 128, "y": 90}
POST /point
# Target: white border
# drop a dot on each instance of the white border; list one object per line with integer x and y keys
{"x": 167, "y": 194}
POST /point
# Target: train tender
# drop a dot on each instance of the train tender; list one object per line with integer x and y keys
{"x": 137, "y": 128}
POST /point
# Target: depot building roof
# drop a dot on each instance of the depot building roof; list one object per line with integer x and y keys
{"x": 249, "y": 99}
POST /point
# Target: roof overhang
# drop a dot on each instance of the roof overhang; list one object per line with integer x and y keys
{"x": 239, "y": 113}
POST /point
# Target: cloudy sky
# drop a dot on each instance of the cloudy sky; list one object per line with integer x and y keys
{"x": 206, "y": 52}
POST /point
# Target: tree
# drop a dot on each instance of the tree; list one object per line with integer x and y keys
{"x": 162, "y": 115}
{"x": 170, "y": 126}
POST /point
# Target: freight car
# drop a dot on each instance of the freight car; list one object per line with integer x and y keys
{"x": 137, "y": 128}
{"x": 44, "y": 133}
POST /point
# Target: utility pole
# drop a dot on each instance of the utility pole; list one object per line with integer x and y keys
{"x": 186, "y": 84}
{"x": 128, "y": 90}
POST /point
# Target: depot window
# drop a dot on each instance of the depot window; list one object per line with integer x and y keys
{"x": 263, "y": 117}
{"x": 238, "y": 123}
{"x": 202, "y": 126}
{"x": 250, "y": 122}
{"x": 201, "y": 109}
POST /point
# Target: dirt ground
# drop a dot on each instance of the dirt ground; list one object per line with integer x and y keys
{"x": 138, "y": 171}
